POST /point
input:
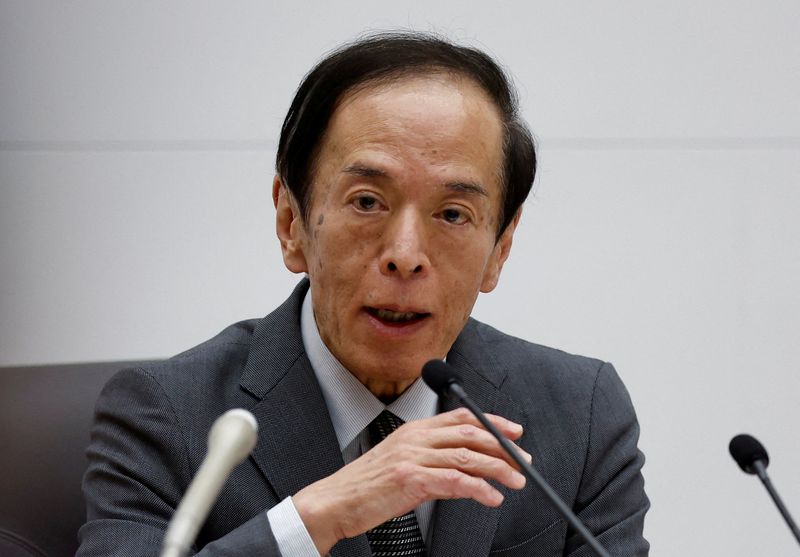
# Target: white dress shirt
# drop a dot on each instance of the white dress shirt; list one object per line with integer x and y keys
{"x": 352, "y": 408}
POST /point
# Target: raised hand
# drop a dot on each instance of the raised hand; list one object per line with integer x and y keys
{"x": 448, "y": 456}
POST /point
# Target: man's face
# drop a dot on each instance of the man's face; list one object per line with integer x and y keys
{"x": 406, "y": 196}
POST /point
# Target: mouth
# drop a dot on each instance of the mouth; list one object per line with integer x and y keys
{"x": 397, "y": 318}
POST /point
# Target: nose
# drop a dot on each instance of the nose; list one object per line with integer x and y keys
{"x": 404, "y": 254}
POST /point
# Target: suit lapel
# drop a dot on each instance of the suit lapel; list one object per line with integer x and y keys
{"x": 463, "y": 526}
{"x": 297, "y": 443}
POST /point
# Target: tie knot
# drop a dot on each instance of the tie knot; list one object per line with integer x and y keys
{"x": 382, "y": 426}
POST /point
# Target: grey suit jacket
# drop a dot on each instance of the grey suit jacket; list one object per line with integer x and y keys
{"x": 151, "y": 427}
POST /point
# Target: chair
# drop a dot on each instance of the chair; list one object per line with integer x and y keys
{"x": 45, "y": 416}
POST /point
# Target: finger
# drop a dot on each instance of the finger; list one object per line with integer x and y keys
{"x": 449, "y": 483}
{"x": 475, "y": 464}
{"x": 471, "y": 437}
{"x": 509, "y": 429}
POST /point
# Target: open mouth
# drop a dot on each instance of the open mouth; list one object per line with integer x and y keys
{"x": 390, "y": 317}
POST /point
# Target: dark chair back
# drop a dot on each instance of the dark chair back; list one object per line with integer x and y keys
{"x": 45, "y": 416}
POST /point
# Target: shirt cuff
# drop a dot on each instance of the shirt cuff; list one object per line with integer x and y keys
{"x": 290, "y": 533}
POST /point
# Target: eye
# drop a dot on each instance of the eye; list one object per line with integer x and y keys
{"x": 366, "y": 203}
{"x": 454, "y": 216}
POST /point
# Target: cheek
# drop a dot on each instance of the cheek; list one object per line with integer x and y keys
{"x": 460, "y": 292}
{"x": 466, "y": 271}
{"x": 342, "y": 250}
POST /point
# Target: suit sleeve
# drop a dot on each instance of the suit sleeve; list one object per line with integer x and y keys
{"x": 611, "y": 500}
{"x": 138, "y": 470}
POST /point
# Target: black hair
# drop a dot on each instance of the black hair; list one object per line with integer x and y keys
{"x": 387, "y": 56}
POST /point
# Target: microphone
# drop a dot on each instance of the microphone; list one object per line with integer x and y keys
{"x": 230, "y": 441}
{"x": 747, "y": 452}
{"x": 752, "y": 457}
{"x": 442, "y": 379}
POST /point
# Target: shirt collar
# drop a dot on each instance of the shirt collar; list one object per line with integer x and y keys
{"x": 350, "y": 404}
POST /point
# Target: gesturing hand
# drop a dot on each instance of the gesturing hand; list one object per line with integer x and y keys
{"x": 448, "y": 456}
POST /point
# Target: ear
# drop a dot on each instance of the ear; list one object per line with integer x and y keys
{"x": 502, "y": 249}
{"x": 289, "y": 228}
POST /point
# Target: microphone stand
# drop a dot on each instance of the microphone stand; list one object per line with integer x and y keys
{"x": 531, "y": 472}
{"x": 761, "y": 470}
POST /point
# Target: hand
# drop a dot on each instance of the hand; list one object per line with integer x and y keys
{"x": 448, "y": 456}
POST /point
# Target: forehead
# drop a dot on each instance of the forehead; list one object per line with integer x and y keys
{"x": 445, "y": 99}
{"x": 445, "y": 122}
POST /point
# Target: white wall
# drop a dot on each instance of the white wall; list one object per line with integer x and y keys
{"x": 136, "y": 152}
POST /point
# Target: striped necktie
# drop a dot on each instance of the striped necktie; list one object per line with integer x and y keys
{"x": 400, "y": 536}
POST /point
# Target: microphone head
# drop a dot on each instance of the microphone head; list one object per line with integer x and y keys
{"x": 439, "y": 376}
{"x": 746, "y": 450}
{"x": 235, "y": 434}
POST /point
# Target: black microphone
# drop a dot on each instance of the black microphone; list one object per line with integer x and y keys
{"x": 441, "y": 378}
{"x": 752, "y": 457}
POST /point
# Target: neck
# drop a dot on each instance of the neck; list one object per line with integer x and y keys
{"x": 385, "y": 391}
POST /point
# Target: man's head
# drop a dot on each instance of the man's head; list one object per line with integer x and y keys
{"x": 401, "y": 170}
{"x": 390, "y": 57}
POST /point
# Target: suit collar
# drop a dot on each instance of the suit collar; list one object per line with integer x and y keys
{"x": 295, "y": 429}
{"x": 275, "y": 346}
{"x": 463, "y": 526}
{"x": 297, "y": 443}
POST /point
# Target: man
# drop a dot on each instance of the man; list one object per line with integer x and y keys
{"x": 402, "y": 167}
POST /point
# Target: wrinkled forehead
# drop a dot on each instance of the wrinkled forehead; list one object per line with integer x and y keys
{"x": 439, "y": 108}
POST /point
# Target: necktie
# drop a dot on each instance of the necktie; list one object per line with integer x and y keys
{"x": 399, "y": 536}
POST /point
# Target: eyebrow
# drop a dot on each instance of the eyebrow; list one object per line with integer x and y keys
{"x": 365, "y": 171}
{"x": 464, "y": 187}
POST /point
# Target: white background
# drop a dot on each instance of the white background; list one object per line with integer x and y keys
{"x": 136, "y": 154}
